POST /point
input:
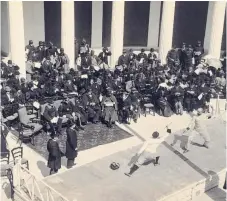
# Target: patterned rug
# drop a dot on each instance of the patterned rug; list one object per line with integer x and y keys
{"x": 93, "y": 135}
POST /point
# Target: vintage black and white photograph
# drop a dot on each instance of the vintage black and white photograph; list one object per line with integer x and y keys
{"x": 113, "y": 100}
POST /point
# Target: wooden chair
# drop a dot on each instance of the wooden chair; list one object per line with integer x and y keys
{"x": 17, "y": 154}
{"x": 25, "y": 134}
{"x": 148, "y": 106}
{"x": 28, "y": 126}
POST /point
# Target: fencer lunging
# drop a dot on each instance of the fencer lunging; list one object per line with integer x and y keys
{"x": 147, "y": 153}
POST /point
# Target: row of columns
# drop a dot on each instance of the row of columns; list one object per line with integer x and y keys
{"x": 212, "y": 42}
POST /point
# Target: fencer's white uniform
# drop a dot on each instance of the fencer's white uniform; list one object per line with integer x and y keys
{"x": 149, "y": 148}
{"x": 198, "y": 124}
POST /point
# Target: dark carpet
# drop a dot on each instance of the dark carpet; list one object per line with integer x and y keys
{"x": 93, "y": 135}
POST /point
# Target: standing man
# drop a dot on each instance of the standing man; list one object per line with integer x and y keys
{"x": 71, "y": 144}
{"x": 55, "y": 154}
{"x": 198, "y": 52}
{"x": 197, "y": 124}
{"x": 148, "y": 151}
{"x": 63, "y": 61}
{"x": 103, "y": 57}
{"x": 29, "y": 49}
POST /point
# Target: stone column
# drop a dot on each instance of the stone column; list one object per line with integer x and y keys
{"x": 214, "y": 28}
{"x": 96, "y": 26}
{"x": 166, "y": 34}
{"x": 153, "y": 29}
{"x": 16, "y": 34}
{"x": 68, "y": 30}
{"x": 117, "y": 31}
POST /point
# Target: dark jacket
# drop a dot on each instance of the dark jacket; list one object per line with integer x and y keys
{"x": 123, "y": 60}
{"x": 54, "y": 159}
{"x": 50, "y": 113}
{"x": 65, "y": 108}
{"x": 103, "y": 56}
{"x": 71, "y": 144}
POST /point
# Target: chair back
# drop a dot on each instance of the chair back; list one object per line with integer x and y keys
{"x": 23, "y": 116}
{"x": 4, "y": 159}
{"x": 17, "y": 153}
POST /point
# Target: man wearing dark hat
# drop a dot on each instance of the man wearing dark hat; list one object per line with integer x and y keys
{"x": 32, "y": 93}
{"x": 40, "y": 50}
{"x": 51, "y": 116}
{"x": 65, "y": 112}
{"x": 46, "y": 67}
{"x": 136, "y": 99}
{"x": 180, "y": 53}
{"x": 152, "y": 57}
{"x": 8, "y": 104}
{"x": 131, "y": 56}
{"x": 23, "y": 85}
{"x": 198, "y": 52}
{"x": 109, "y": 108}
{"x": 103, "y": 56}
{"x": 125, "y": 106}
{"x": 51, "y": 50}
{"x": 86, "y": 62}
{"x": 172, "y": 58}
{"x": 123, "y": 60}
{"x": 91, "y": 102}
{"x": 84, "y": 48}
{"x": 63, "y": 61}
{"x": 29, "y": 49}
{"x": 178, "y": 96}
{"x": 187, "y": 56}
{"x": 69, "y": 87}
{"x": 11, "y": 69}
{"x": 95, "y": 87}
{"x": 142, "y": 56}
{"x": 55, "y": 154}
{"x": 71, "y": 144}
{"x": 8, "y": 97}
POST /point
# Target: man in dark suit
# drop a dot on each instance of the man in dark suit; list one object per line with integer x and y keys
{"x": 71, "y": 144}
{"x": 51, "y": 116}
{"x": 55, "y": 154}
{"x": 198, "y": 52}
{"x": 91, "y": 102}
{"x": 123, "y": 60}
{"x": 103, "y": 56}
{"x": 40, "y": 50}
{"x": 29, "y": 49}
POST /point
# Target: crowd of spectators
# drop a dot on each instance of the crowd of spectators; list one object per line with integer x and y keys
{"x": 94, "y": 91}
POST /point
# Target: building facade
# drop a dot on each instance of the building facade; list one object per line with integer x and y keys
{"x": 117, "y": 25}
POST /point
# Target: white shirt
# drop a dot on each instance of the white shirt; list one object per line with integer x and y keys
{"x": 152, "y": 144}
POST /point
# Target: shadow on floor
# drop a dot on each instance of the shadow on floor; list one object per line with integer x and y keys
{"x": 43, "y": 168}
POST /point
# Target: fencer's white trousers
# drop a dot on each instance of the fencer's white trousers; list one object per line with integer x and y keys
{"x": 146, "y": 157}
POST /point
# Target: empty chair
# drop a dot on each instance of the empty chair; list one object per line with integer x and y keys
{"x": 29, "y": 121}
{"x": 17, "y": 154}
